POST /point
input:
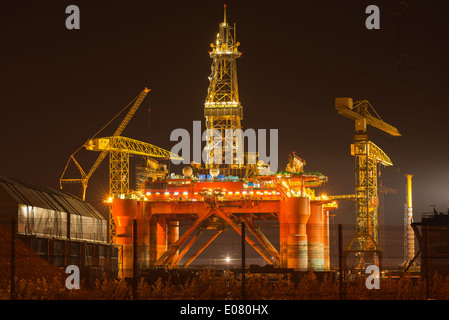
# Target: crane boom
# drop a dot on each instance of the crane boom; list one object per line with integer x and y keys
{"x": 119, "y": 130}
{"x": 374, "y": 152}
{"x": 119, "y": 149}
{"x": 131, "y": 146}
{"x": 131, "y": 112}
{"x": 359, "y": 110}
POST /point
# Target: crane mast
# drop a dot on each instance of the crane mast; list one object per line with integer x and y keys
{"x": 368, "y": 157}
{"x": 222, "y": 107}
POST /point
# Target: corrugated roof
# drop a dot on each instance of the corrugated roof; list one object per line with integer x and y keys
{"x": 43, "y": 197}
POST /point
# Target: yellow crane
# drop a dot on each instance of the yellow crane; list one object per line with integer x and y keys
{"x": 365, "y": 243}
{"x": 360, "y": 112}
{"x": 119, "y": 149}
{"x": 85, "y": 177}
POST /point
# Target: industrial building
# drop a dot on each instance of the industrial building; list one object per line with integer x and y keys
{"x": 60, "y": 228}
{"x": 433, "y": 240}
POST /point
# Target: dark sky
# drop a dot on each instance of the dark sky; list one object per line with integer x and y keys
{"x": 60, "y": 86}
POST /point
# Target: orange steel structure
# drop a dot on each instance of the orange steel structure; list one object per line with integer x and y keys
{"x": 217, "y": 202}
{"x": 287, "y": 198}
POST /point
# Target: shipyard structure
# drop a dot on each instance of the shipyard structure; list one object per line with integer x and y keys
{"x": 158, "y": 223}
{"x": 60, "y": 228}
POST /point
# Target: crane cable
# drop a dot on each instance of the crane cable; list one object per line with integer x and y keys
{"x": 114, "y": 117}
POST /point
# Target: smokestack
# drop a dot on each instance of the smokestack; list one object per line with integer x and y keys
{"x": 408, "y": 220}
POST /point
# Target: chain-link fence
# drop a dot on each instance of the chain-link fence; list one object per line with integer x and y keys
{"x": 29, "y": 256}
{"x": 171, "y": 254}
{"x": 220, "y": 246}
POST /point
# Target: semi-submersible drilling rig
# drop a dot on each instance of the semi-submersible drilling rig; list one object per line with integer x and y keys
{"x": 217, "y": 196}
{"x": 226, "y": 193}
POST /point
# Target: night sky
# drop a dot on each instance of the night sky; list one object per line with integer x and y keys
{"x": 60, "y": 86}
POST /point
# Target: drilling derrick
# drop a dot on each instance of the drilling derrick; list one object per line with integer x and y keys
{"x": 222, "y": 107}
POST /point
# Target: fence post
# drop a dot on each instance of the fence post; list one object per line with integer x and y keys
{"x": 427, "y": 262}
{"x": 13, "y": 258}
{"x": 340, "y": 259}
{"x": 134, "y": 258}
{"x": 243, "y": 261}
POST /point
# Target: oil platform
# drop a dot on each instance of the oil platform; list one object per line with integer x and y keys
{"x": 163, "y": 217}
{"x": 221, "y": 194}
